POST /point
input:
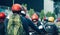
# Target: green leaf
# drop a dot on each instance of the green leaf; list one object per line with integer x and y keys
{"x": 49, "y": 14}
{"x": 31, "y": 12}
{"x": 42, "y": 14}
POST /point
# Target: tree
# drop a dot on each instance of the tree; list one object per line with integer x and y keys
{"x": 42, "y": 14}
{"x": 54, "y": 15}
{"x": 49, "y": 14}
{"x": 31, "y": 12}
{"x": 24, "y": 5}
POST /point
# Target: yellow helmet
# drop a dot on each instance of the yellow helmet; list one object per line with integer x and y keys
{"x": 51, "y": 19}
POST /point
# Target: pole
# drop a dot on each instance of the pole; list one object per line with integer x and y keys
{"x": 13, "y": 1}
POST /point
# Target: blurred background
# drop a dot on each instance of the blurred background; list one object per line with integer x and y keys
{"x": 44, "y": 8}
{"x": 37, "y": 5}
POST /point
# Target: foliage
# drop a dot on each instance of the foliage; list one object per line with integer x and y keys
{"x": 24, "y": 5}
{"x": 42, "y": 14}
{"x": 49, "y": 14}
{"x": 14, "y": 26}
{"x": 53, "y": 14}
{"x": 31, "y": 12}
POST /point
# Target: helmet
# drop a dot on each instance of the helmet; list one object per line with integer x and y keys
{"x": 51, "y": 19}
{"x": 2, "y": 15}
{"x": 34, "y": 17}
{"x": 58, "y": 19}
{"x": 16, "y": 7}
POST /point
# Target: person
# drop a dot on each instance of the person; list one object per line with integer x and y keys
{"x": 24, "y": 12}
{"x": 57, "y": 20}
{"x": 38, "y": 23}
{"x": 50, "y": 27}
{"x": 28, "y": 21}
{"x": 2, "y": 26}
{"x": 25, "y": 22}
{"x": 14, "y": 26}
{"x": 35, "y": 19}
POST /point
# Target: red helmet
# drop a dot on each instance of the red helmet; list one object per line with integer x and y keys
{"x": 34, "y": 16}
{"x": 58, "y": 19}
{"x": 16, "y": 7}
{"x": 2, "y": 15}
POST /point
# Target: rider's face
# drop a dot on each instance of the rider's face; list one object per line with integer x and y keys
{"x": 35, "y": 21}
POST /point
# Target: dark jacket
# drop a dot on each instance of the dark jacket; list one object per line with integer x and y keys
{"x": 26, "y": 23}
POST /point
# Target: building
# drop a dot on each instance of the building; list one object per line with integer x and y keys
{"x": 48, "y": 6}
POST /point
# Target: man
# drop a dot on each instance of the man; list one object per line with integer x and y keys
{"x": 2, "y": 26}
{"x": 14, "y": 26}
{"x": 50, "y": 27}
{"x": 38, "y": 23}
{"x": 25, "y": 22}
